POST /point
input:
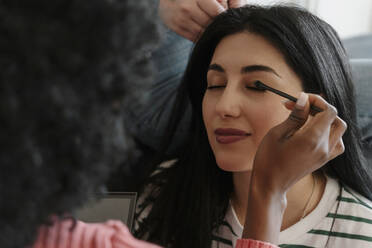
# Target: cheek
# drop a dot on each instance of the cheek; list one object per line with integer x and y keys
{"x": 266, "y": 116}
{"x": 209, "y": 116}
{"x": 207, "y": 110}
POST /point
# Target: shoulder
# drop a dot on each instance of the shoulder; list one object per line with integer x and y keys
{"x": 355, "y": 203}
{"x": 347, "y": 198}
{"x": 351, "y": 220}
{"x": 346, "y": 221}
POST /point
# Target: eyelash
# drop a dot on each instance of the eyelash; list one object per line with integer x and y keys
{"x": 247, "y": 87}
{"x": 215, "y": 87}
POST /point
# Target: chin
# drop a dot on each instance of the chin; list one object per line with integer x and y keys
{"x": 233, "y": 164}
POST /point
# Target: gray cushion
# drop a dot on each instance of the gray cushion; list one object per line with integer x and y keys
{"x": 359, "y": 47}
{"x": 362, "y": 75}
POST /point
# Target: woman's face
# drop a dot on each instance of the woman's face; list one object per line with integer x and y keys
{"x": 236, "y": 117}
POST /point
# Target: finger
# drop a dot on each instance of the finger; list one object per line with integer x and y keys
{"x": 297, "y": 118}
{"x": 192, "y": 30}
{"x": 224, "y": 3}
{"x": 237, "y": 3}
{"x": 53, "y": 234}
{"x": 192, "y": 10}
{"x": 201, "y": 17}
{"x": 65, "y": 234}
{"x": 211, "y": 7}
{"x": 180, "y": 31}
{"x": 186, "y": 28}
{"x": 186, "y": 34}
{"x": 289, "y": 104}
{"x": 322, "y": 120}
{"x": 41, "y": 238}
{"x": 338, "y": 150}
{"x": 338, "y": 129}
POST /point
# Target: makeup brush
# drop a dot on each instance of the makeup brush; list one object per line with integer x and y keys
{"x": 261, "y": 86}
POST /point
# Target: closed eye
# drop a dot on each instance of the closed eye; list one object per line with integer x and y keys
{"x": 255, "y": 88}
{"x": 215, "y": 87}
{"x": 247, "y": 87}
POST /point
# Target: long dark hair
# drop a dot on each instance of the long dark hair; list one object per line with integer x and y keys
{"x": 191, "y": 197}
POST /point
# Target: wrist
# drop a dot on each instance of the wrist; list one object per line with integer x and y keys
{"x": 264, "y": 213}
{"x": 267, "y": 184}
{"x": 264, "y": 195}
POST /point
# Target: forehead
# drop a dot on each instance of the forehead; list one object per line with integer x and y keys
{"x": 246, "y": 48}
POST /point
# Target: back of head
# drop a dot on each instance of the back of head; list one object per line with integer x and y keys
{"x": 67, "y": 69}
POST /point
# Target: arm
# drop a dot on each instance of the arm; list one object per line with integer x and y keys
{"x": 264, "y": 214}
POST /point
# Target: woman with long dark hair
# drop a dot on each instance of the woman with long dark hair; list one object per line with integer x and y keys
{"x": 304, "y": 175}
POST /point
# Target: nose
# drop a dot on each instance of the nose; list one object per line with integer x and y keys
{"x": 228, "y": 104}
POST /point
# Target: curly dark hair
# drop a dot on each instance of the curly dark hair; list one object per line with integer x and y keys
{"x": 68, "y": 69}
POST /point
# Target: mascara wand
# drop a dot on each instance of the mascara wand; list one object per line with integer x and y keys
{"x": 261, "y": 86}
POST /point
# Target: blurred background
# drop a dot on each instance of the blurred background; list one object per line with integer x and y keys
{"x": 351, "y": 19}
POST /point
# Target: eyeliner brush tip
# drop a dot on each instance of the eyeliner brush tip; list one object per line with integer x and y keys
{"x": 259, "y": 85}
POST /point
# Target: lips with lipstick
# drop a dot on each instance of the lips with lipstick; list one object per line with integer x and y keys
{"x": 230, "y": 135}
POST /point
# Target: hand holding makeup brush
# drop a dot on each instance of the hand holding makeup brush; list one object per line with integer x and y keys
{"x": 300, "y": 145}
{"x": 289, "y": 151}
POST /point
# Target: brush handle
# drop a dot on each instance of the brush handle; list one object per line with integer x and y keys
{"x": 314, "y": 110}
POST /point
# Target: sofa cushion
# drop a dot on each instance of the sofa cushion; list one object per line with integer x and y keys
{"x": 362, "y": 75}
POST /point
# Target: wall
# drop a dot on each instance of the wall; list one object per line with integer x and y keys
{"x": 349, "y": 18}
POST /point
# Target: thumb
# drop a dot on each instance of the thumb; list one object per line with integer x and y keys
{"x": 237, "y": 3}
{"x": 297, "y": 118}
{"x": 224, "y": 3}
{"x": 211, "y": 7}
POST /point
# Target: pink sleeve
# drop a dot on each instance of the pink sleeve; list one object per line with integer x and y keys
{"x": 111, "y": 234}
{"x": 251, "y": 243}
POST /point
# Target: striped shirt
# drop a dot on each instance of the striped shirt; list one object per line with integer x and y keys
{"x": 348, "y": 212}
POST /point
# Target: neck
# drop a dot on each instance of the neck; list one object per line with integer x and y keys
{"x": 301, "y": 194}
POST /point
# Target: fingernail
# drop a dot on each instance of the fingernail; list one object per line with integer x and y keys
{"x": 284, "y": 101}
{"x": 301, "y": 101}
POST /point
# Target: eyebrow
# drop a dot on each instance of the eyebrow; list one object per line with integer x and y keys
{"x": 245, "y": 69}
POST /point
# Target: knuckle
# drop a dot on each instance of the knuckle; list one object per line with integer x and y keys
{"x": 332, "y": 111}
{"x": 319, "y": 97}
{"x": 342, "y": 149}
{"x": 196, "y": 30}
{"x": 323, "y": 153}
{"x": 205, "y": 22}
{"x": 297, "y": 118}
{"x": 179, "y": 19}
{"x": 311, "y": 143}
{"x": 185, "y": 8}
{"x": 343, "y": 124}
